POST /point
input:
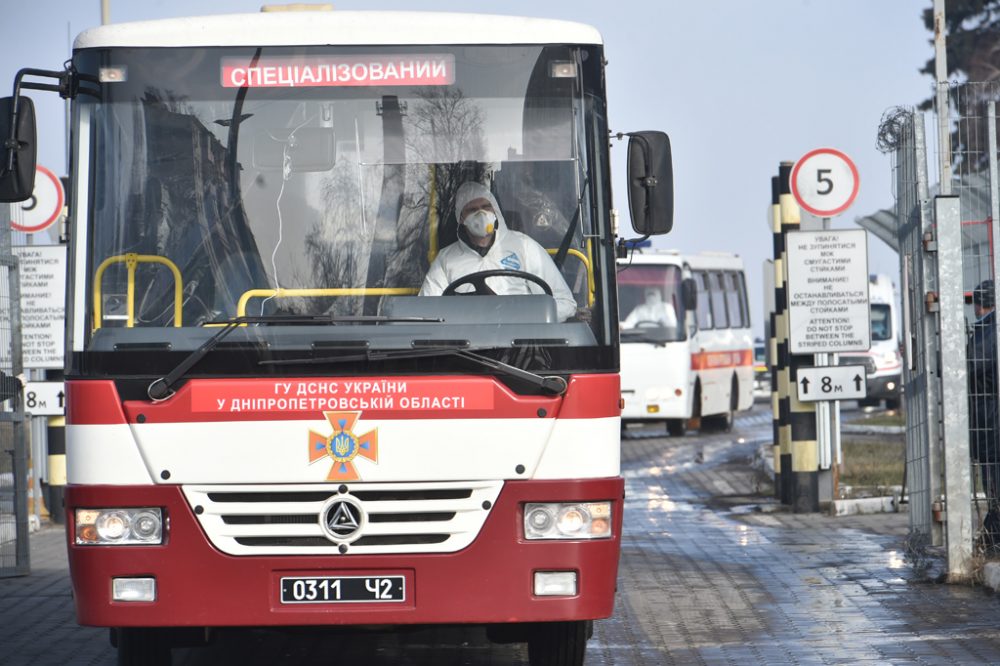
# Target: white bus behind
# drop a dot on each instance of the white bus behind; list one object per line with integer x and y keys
{"x": 687, "y": 349}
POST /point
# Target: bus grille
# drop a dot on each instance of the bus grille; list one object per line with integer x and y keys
{"x": 401, "y": 517}
{"x": 866, "y": 361}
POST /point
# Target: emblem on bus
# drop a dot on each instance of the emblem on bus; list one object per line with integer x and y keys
{"x": 342, "y": 519}
{"x": 343, "y": 446}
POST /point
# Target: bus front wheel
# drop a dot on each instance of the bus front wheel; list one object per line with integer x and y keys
{"x": 559, "y": 643}
{"x": 142, "y": 646}
{"x": 676, "y": 427}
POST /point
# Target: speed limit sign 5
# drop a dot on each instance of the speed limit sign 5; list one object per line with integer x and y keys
{"x": 825, "y": 182}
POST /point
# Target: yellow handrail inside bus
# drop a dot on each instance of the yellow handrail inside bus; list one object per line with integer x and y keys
{"x": 432, "y": 215}
{"x": 132, "y": 261}
{"x": 241, "y": 307}
{"x": 586, "y": 264}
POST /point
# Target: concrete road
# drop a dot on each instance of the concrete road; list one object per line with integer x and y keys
{"x": 711, "y": 572}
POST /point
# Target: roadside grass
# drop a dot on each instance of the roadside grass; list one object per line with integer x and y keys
{"x": 873, "y": 462}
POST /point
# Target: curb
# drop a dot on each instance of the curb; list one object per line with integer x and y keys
{"x": 859, "y": 429}
{"x": 864, "y": 505}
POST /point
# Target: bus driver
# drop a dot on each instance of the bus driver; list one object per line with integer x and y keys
{"x": 654, "y": 310}
{"x": 485, "y": 243}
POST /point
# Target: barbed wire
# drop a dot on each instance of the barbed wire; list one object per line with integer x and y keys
{"x": 890, "y": 128}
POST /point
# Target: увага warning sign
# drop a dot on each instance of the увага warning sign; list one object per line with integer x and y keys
{"x": 828, "y": 309}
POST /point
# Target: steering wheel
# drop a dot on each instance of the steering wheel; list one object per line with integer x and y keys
{"x": 478, "y": 281}
{"x": 647, "y": 323}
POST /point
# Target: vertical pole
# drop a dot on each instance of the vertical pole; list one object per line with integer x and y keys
{"x": 801, "y": 415}
{"x": 21, "y": 463}
{"x": 957, "y": 472}
{"x": 779, "y": 356}
{"x": 991, "y": 110}
{"x": 931, "y": 328}
{"x": 941, "y": 76}
{"x": 827, "y": 429}
{"x": 67, "y": 109}
{"x": 105, "y": 12}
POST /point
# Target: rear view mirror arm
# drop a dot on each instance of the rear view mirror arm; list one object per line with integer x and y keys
{"x": 68, "y": 87}
{"x": 626, "y": 244}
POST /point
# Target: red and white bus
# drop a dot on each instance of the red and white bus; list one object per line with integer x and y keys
{"x": 687, "y": 349}
{"x": 266, "y": 425}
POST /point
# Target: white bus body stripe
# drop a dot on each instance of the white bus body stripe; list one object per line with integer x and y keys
{"x": 582, "y": 448}
{"x": 104, "y": 454}
{"x": 408, "y": 450}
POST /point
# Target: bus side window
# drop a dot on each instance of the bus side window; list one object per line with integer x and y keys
{"x": 704, "y": 301}
{"x": 744, "y": 307}
{"x": 719, "y": 314}
{"x": 735, "y": 300}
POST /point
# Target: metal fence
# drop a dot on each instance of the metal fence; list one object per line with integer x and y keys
{"x": 14, "y": 558}
{"x": 975, "y": 181}
{"x": 902, "y": 134}
{"x": 936, "y": 353}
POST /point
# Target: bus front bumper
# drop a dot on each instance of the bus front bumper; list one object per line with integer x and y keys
{"x": 490, "y": 581}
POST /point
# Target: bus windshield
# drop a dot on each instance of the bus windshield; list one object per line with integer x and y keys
{"x": 881, "y": 322}
{"x": 226, "y": 182}
{"x": 650, "y": 304}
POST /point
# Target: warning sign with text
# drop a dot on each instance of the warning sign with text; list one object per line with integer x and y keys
{"x": 828, "y": 291}
{"x": 42, "y": 271}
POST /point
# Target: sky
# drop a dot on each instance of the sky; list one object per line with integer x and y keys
{"x": 739, "y": 86}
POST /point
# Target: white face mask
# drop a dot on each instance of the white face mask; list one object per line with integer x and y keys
{"x": 480, "y": 223}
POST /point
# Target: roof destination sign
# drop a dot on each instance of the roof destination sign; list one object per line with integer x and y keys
{"x": 828, "y": 291}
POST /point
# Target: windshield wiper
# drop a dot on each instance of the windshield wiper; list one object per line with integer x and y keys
{"x": 552, "y": 383}
{"x": 162, "y": 388}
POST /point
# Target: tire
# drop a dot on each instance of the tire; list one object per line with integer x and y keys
{"x": 142, "y": 647}
{"x": 695, "y": 422}
{"x": 676, "y": 427}
{"x": 558, "y": 643}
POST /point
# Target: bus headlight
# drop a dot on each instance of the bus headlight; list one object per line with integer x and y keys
{"x": 570, "y": 520}
{"x": 112, "y": 527}
{"x": 890, "y": 358}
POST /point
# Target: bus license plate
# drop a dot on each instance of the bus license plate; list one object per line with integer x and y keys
{"x": 342, "y": 589}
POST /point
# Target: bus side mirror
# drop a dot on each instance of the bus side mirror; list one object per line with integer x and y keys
{"x": 650, "y": 183}
{"x": 17, "y": 149}
{"x": 689, "y": 294}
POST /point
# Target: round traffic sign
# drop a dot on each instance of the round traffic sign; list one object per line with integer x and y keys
{"x": 825, "y": 182}
{"x": 44, "y": 206}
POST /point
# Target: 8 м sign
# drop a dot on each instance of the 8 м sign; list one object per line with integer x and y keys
{"x": 835, "y": 382}
{"x": 825, "y": 182}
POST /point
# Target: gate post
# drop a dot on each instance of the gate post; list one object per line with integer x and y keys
{"x": 803, "y": 452}
{"x": 778, "y": 357}
{"x": 783, "y": 466}
{"x": 955, "y": 411}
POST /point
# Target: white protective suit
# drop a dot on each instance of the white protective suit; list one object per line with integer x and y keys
{"x": 511, "y": 250}
{"x": 653, "y": 310}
